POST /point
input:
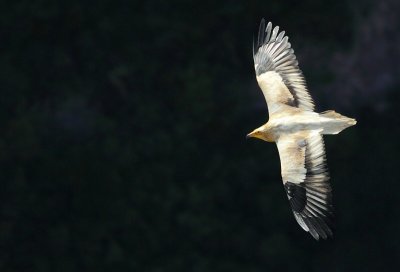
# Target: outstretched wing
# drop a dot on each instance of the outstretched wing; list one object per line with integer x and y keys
{"x": 305, "y": 178}
{"x": 277, "y": 71}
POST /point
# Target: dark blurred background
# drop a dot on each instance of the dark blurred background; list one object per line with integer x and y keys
{"x": 122, "y": 136}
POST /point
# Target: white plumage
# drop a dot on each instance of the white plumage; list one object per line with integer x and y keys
{"x": 297, "y": 130}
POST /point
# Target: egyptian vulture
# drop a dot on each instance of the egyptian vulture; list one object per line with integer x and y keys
{"x": 297, "y": 130}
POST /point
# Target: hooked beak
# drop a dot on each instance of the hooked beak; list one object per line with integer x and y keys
{"x": 250, "y": 135}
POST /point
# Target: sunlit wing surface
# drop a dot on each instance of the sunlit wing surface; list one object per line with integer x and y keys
{"x": 305, "y": 178}
{"x": 277, "y": 71}
{"x": 297, "y": 131}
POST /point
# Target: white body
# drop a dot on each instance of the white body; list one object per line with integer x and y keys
{"x": 297, "y": 130}
{"x": 289, "y": 121}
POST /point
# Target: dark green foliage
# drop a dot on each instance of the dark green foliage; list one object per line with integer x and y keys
{"x": 122, "y": 142}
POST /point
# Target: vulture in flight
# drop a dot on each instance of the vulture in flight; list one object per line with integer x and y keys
{"x": 297, "y": 130}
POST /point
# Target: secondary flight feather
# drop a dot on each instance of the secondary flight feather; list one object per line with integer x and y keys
{"x": 297, "y": 130}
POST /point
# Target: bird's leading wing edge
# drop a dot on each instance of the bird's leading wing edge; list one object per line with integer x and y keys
{"x": 306, "y": 182}
{"x": 277, "y": 70}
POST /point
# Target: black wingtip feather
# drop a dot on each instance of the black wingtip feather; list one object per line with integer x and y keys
{"x": 261, "y": 33}
{"x": 311, "y": 199}
{"x": 297, "y": 196}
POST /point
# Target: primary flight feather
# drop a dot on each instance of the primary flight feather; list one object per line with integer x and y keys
{"x": 297, "y": 130}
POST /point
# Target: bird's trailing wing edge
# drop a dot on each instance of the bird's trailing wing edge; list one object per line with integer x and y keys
{"x": 277, "y": 71}
{"x": 306, "y": 181}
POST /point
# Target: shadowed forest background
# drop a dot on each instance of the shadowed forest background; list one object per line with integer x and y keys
{"x": 122, "y": 136}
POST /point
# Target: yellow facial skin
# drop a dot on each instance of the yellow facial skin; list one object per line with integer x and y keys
{"x": 262, "y": 135}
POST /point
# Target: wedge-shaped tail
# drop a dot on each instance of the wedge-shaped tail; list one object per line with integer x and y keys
{"x": 333, "y": 122}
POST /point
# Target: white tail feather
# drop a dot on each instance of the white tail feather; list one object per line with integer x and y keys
{"x": 333, "y": 122}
